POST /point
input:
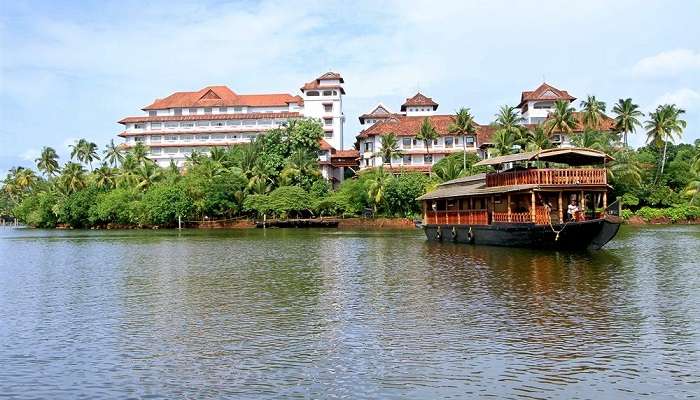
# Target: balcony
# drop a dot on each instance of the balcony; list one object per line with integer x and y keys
{"x": 572, "y": 176}
{"x": 471, "y": 217}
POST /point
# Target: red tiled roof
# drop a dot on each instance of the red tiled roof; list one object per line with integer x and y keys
{"x": 410, "y": 125}
{"x": 198, "y": 117}
{"x": 346, "y": 153}
{"x": 545, "y": 92}
{"x": 408, "y": 168}
{"x": 220, "y": 96}
{"x": 330, "y": 75}
{"x": 419, "y": 100}
{"x": 606, "y": 124}
{"x": 325, "y": 145}
{"x": 379, "y": 112}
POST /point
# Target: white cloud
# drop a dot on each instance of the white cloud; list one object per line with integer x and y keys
{"x": 30, "y": 155}
{"x": 685, "y": 98}
{"x": 667, "y": 63}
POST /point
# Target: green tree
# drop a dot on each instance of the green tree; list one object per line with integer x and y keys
{"x": 664, "y": 125}
{"x": 402, "y": 191}
{"x": 389, "y": 147}
{"x": 449, "y": 169}
{"x": 376, "y": 187}
{"x": 105, "y": 177}
{"x": 627, "y": 116}
{"x": 163, "y": 203}
{"x": 113, "y": 154}
{"x": 84, "y": 151}
{"x": 72, "y": 177}
{"x": 537, "y": 139}
{"x": 47, "y": 162}
{"x": 561, "y": 119}
{"x": 593, "y": 112}
{"x": 301, "y": 169}
{"x": 463, "y": 125}
{"x": 426, "y": 134}
{"x": 509, "y": 127}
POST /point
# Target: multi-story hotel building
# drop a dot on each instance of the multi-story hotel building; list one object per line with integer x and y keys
{"x": 405, "y": 125}
{"x": 215, "y": 116}
{"x": 535, "y": 107}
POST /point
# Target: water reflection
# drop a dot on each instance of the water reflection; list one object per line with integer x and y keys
{"x": 323, "y": 314}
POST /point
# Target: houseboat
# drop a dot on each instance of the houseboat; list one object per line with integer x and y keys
{"x": 554, "y": 198}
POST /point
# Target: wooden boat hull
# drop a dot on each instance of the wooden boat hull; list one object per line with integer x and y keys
{"x": 592, "y": 234}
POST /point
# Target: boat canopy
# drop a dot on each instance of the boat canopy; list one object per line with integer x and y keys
{"x": 567, "y": 155}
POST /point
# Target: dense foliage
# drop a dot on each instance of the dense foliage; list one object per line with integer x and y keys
{"x": 278, "y": 175}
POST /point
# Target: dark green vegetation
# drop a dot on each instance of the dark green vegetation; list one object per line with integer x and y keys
{"x": 278, "y": 174}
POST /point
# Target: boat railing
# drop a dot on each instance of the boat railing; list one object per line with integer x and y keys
{"x": 570, "y": 176}
{"x": 460, "y": 217}
{"x": 519, "y": 217}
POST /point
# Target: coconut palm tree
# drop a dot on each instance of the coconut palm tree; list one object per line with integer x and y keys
{"x": 626, "y": 169}
{"x": 664, "y": 125}
{"x": 537, "y": 139}
{"x": 147, "y": 174}
{"x": 449, "y": 169}
{"x": 503, "y": 143}
{"x": 25, "y": 178}
{"x": 627, "y": 117}
{"x": 105, "y": 177}
{"x": 128, "y": 173}
{"x": 509, "y": 120}
{"x": 427, "y": 134}
{"x": 113, "y": 153}
{"x": 389, "y": 147}
{"x": 376, "y": 188}
{"x": 140, "y": 153}
{"x": 218, "y": 154}
{"x": 463, "y": 125}
{"x": 72, "y": 177}
{"x": 47, "y": 162}
{"x": 301, "y": 164}
{"x": 561, "y": 119}
{"x": 590, "y": 139}
{"x": 593, "y": 112}
{"x": 84, "y": 151}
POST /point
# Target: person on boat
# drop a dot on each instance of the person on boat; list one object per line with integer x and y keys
{"x": 571, "y": 211}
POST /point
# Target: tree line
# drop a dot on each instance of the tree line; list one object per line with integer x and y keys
{"x": 278, "y": 174}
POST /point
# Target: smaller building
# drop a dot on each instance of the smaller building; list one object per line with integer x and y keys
{"x": 406, "y": 125}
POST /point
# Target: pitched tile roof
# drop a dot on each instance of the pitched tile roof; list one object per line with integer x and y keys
{"x": 606, "y": 124}
{"x": 379, "y": 112}
{"x": 199, "y": 117}
{"x": 316, "y": 83}
{"x": 402, "y": 125}
{"x": 330, "y": 75}
{"x": 545, "y": 92}
{"x": 419, "y": 100}
{"x": 221, "y": 96}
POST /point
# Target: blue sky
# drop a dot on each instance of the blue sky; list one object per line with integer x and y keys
{"x": 71, "y": 70}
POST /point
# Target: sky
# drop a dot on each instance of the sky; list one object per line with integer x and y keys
{"x": 70, "y": 70}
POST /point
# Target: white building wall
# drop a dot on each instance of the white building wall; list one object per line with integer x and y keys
{"x": 314, "y": 108}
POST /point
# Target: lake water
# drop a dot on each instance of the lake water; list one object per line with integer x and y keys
{"x": 345, "y": 314}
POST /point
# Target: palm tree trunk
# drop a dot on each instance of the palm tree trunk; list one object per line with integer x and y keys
{"x": 663, "y": 159}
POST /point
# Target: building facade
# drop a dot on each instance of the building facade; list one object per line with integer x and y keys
{"x": 405, "y": 125}
{"x": 215, "y": 116}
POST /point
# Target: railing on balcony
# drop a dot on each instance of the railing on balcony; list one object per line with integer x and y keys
{"x": 572, "y": 176}
{"x": 543, "y": 216}
{"x": 512, "y": 217}
{"x": 472, "y": 217}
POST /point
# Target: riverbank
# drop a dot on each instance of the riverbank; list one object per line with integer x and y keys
{"x": 343, "y": 223}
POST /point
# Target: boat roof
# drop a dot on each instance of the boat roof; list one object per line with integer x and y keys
{"x": 476, "y": 189}
{"x": 464, "y": 179}
{"x": 565, "y": 155}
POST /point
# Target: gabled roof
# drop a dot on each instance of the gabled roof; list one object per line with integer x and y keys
{"x": 316, "y": 83}
{"x": 419, "y": 100}
{"x": 564, "y": 155}
{"x": 545, "y": 92}
{"x": 379, "y": 112}
{"x": 221, "y": 96}
{"x": 402, "y": 125}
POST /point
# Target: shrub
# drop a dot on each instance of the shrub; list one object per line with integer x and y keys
{"x": 37, "y": 210}
{"x": 163, "y": 203}
{"x": 120, "y": 206}
{"x": 626, "y": 214}
{"x": 401, "y": 194}
{"x": 287, "y": 200}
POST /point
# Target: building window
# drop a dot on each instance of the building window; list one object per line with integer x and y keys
{"x": 217, "y": 123}
{"x": 152, "y": 113}
{"x": 328, "y": 107}
{"x": 139, "y": 139}
{"x": 449, "y": 142}
{"x": 155, "y": 151}
{"x": 232, "y": 137}
{"x": 407, "y": 160}
{"x": 202, "y": 137}
{"x": 435, "y": 142}
{"x": 428, "y": 159}
{"x": 186, "y": 150}
{"x": 328, "y": 134}
{"x": 223, "y": 109}
{"x": 233, "y": 123}
{"x": 177, "y": 111}
{"x": 156, "y": 125}
{"x": 207, "y": 110}
{"x": 186, "y": 124}
{"x": 556, "y": 138}
{"x": 237, "y": 109}
{"x": 193, "y": 111}
{"x": 139, "y": 126}
{"x": 171, "y": 150}
{"x": 202, "y": 123}
{"x": 249, "y": 122}
{"x": 543, "y": 105}
{"x": 250, "y": 137}
{"x": 469, "y": 141}
{"x": 171, "y": 138}
{"x": 171, "y": 125}
{"x": 155, "y": 139}
{"x": 312, "y": 93}
{"x": 368, "y": 146}
{"x": 218, "y": 137}
{"x": 265, "y": 122}
{"x": 328, "y": 121}
{"x": 187, "y": 138}
{"x": 406, "y": 143}
{"x": 327, "y": 93}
